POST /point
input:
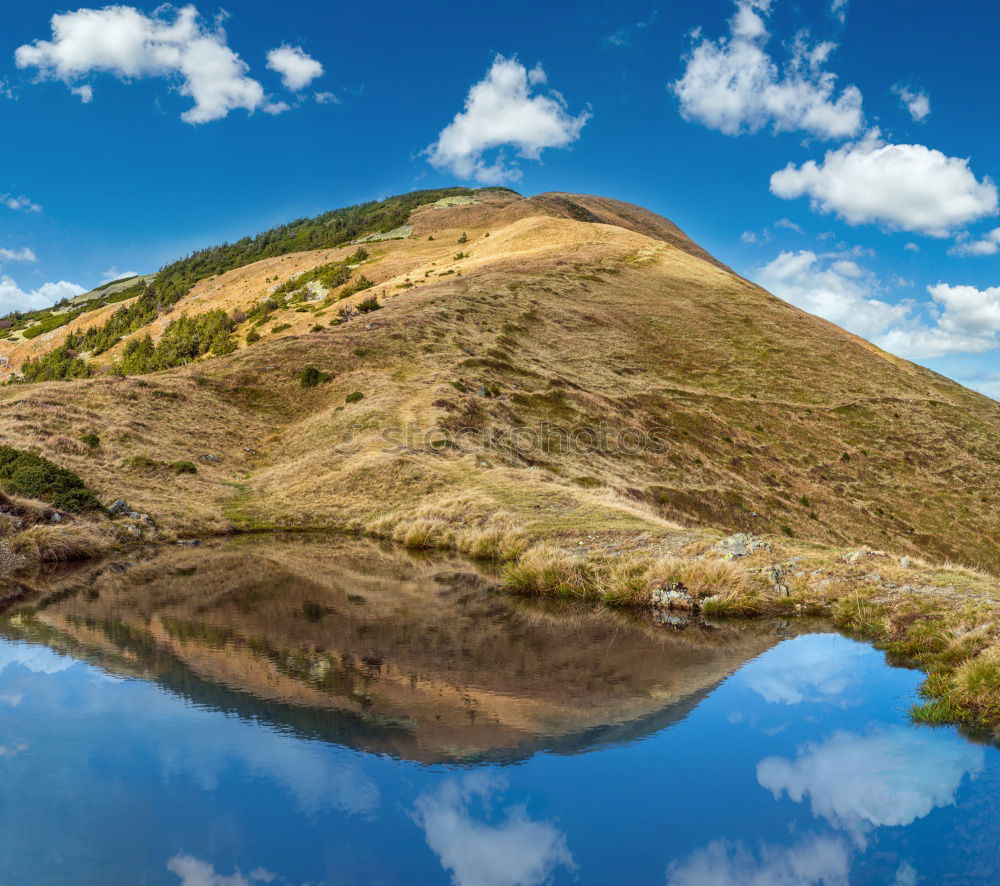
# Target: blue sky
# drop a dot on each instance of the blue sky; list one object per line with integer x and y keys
{"x": 840, "y": 153}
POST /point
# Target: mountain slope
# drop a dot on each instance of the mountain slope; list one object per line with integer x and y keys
{"x": 563, "y": 363}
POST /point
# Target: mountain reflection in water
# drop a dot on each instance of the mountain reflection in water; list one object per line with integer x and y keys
{"x": 298, "y": 710}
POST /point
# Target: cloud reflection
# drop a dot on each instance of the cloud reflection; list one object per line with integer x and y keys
{"x": 886, "y": 777}
{"x": 814, "y": 668}
{"x": 813, "y": 861}
{"x": 509, "y": 850}
{"x": 195, "y": 872}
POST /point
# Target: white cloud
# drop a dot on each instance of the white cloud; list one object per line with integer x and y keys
{"x": 838, "y": 291}
{"x": 917, "y": 104}
{"x": 123, "y": 41}
{"x": 24, "y": 254}
{"x": 112, "y": 274}
{"x": 326, "y": 98}
{"x": 194, "y": 872}
{"x": 502, "y": 110}
{"x": 911, "y": 247}
{"x": 85, "y": 93}
{"x": 13, "y": 298}
{"x": 734, "y": 86}
{"x": 962, "y": 319}
{"x": 788, "y": 225}
{"x": 988, "y": 244}
{"x": 19, "y": 203}
{"x": 968, "y": 309}
{"x": 513, "y": 851}
{"x": 884, "y": 778}
{"x": 838, "y": 9}
{"x": 813, "y": 861}
{"x": 297, "y": 69}
{"x": 966, "y": 320}
{"x": 907, "y": 187}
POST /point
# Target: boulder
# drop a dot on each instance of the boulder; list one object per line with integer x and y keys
{"x": 742, "y": 544}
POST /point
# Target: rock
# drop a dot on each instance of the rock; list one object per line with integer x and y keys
{"x": 905, "y": 562}
{"x": 210, "y": 459}
{"x": 862, "y": 553}
{"x": 777, "y": 576}
{"x": 742, "y": 544}
{"x": 119, "y": 508}
{"x": 673, "y": 597}
{"x": 56, "y": 517}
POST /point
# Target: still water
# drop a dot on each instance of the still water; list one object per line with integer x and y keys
{"x": 292, "y": 711}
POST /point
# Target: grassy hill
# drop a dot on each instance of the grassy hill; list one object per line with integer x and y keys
{"x": 560, "y": 364}
{"x": 562, "y": 381}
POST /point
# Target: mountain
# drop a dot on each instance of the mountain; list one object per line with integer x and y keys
{"x": 569, "y": 366}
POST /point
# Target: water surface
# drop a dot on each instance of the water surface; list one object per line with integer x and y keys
{"x": 293, "y": 711}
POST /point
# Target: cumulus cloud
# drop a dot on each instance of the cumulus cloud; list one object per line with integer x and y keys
{"x": 917, "y": 104}
{"x": 193, "y": 871}
{"x": 124, "y": 42}
{"x": 838, "y": 290}
{"x": 23, "y": 254}
{"x": 904, "y": 187}
{"x": 734, "y": 86}
{"x": 813, "y": 861}
{"x": 13, "y": 298}
{"x": 956, "y": 320}
{"x": 966, "y": 320}
{"x": 297, "y": 69}
{"x": 988, "y": 244}
{"x": 511, "y": 851}
{"x": 19, "y": 203}
{"x": 505, "y": 108}
{"x": 883, "y": 778}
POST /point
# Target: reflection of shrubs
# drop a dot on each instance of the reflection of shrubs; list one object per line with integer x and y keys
{"x": 354, "y": 397}
{"x": 24, "y": 473}
{"x": 369, "y": 304}
{"x": 183, "y": 467}
{"x": 310, "y": 376}
{"x": 313, "y": 611}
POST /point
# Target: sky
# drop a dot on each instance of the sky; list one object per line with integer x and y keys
{"x": 841, "y": 153}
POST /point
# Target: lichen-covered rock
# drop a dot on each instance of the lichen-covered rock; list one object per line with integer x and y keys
{"x": 742, "y": 544}
{"x": 673, "y": 597}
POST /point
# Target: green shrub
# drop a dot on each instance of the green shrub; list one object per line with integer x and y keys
{"x": 91, "y": 439}
{"x": 183, "y": 467}
{"x": 253, "y": 336}
{"x": 24, "y": 473}
{"x": 354, "y": 397}
{"x": 318, "y": 327}
{"x": 310, "y": 376}
{"x": 281, "y": 327}
{"x": 357, "y": 286}
{"x": 144, "y": 464}
{"x": 369, "y": 304}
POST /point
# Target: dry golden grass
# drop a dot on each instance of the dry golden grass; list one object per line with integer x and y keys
{"x": 751, "y": 415}
{"x": 60, "y": 544}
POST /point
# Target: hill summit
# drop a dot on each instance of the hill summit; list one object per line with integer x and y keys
{"x": 570, "y": 366}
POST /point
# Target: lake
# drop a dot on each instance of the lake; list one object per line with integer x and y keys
{"x": 296, "y": 710}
